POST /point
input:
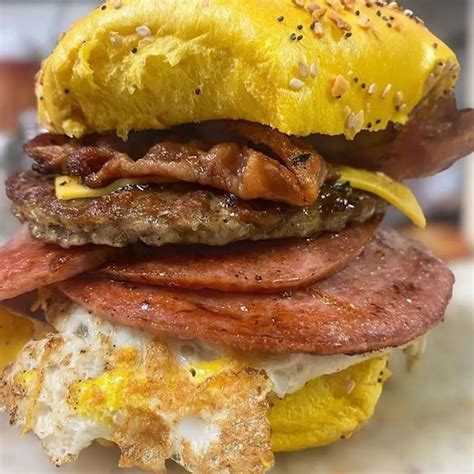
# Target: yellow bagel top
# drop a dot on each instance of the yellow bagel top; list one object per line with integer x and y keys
{"x": 331, "y": 67}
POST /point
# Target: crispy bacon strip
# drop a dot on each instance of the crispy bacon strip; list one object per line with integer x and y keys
{"x": 260, "y": 163}
{"x": 263, "y": 266}
{"x": 437, "y": 135}
{"x": 27, "y": 264}
{"x": 392, "y": 293}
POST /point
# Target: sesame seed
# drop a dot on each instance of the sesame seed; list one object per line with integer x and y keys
{"x": 379, "y": 13}
{"x": 372, "y": 88}
{"x": 348, "y": 4}
{"x": 356, "y": 80}
{"x": 103, "y": 7}
{"x": 115, "y": 39}
{"x": 386, "y": 91}
{"x": 355, "y": 121}
{"x": 357, "y": 12}
{"x": 197, "y": 91}
{"x": 348, "y": 35}
{"x": 296, "y": 84}
{"x": 66, "y": 91}
{"x": 299, "y": 27}
{"x": 347, "y": 111}
{"x": 143, "y": 31}
{"x": 369, "y": 125}
{"x": 378, "y": 121}
{"x": 317, "y": 28}
{"x": 399, "y": 97}
{"x": 403, "y": 107}
{"x": 350, "y": 386}
{"x": 397, "y": 26}
{"x": 303, "y": 69}
{"x": 298, "y": 3}
{"x": 340, "y": 86}
{"x": 363, "y": 85}
{"x": 311, "y": 7}
{"x": 280, "y": 18}
{"x": 313, "y": 69}
{"x": 117, "y": 4}
{"x": 408, "y": 12}
{"x": 364, "y": 22}
{"x": 134, "y": 50}
{"x": 339, "y": 21}
{"x": 318, "y": 13}
{"x": 299, "y": 37}
{"x": 435, "y": 45}
{"x": 393, "y": 5}
{"x": 292, "y": 36}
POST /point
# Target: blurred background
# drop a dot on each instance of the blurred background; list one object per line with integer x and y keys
{"x": 29, "y": 30}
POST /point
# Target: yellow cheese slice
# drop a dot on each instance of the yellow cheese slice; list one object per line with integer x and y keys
{"x": 68, "y": 187}
{"x": 394, "y": 192}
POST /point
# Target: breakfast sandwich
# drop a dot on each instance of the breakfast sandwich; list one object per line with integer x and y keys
{"x": 202, "y": 227}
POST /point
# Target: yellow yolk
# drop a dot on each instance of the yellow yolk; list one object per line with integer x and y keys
{"x": 204, "y": 370}
{"x": 15, "y": 332}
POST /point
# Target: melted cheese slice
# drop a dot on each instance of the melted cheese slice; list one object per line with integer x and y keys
{"x": 393, "y": 192}
{"x": 69, "y": 187}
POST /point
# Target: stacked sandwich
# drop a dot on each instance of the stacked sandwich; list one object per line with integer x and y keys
{"x": 201, "y": 226}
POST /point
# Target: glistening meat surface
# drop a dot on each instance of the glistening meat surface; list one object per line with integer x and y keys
{"x": 263, "y": 266}
{"x": 437, "y": 135}
{"x": 286, "y": 170}
{"x": 392, "y": 293}
{"x": 179, "y": 213}
{"x": 27, "y": 264}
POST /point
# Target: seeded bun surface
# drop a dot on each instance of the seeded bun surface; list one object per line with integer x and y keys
{"x": 331, "y": 67}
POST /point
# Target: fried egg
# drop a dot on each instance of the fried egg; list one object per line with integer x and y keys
{"x": 207, "y": 408}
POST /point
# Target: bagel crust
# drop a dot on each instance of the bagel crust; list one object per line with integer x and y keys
{"x": 329, "y": 67}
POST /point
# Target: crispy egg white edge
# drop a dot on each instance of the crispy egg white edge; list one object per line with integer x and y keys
{"x": 87, "y": 338}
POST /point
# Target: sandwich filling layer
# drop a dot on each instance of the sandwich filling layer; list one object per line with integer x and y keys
{"x": 203, "y": 406}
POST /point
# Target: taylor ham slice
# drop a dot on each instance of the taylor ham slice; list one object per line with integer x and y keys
{"x": 27, "y": 264}
{"x": 437, "y": 135}
{"x": 262, "y": 266}
{"x": 393, "y": 292}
